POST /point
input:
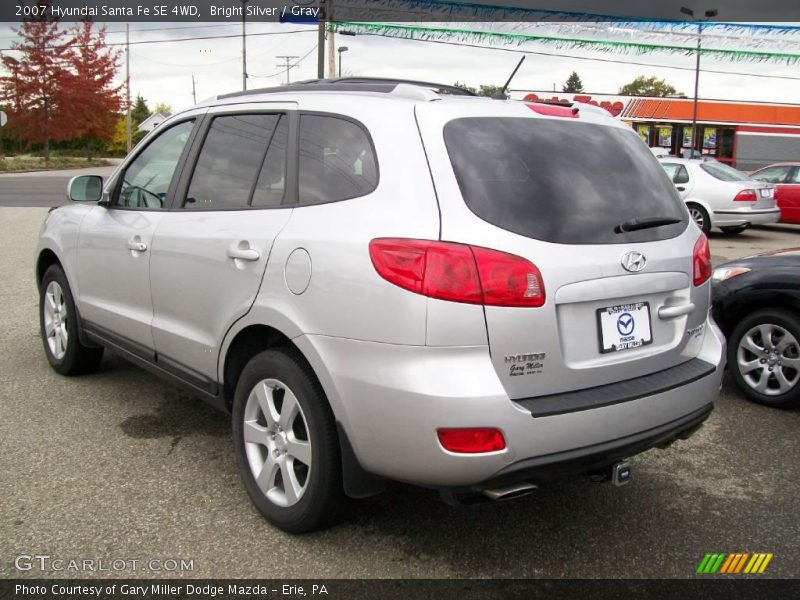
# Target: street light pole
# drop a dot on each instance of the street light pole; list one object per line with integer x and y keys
{"x": 244, "y": 44}
{"x": 708, "y": 14}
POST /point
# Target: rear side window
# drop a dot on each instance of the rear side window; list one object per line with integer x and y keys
{"x": 569, "y": 183}
{"x": 238, "y": 163}
{"x": 337, "y": 160}
{"x": 723, "y": 172}
{"x": 772, "y": 174}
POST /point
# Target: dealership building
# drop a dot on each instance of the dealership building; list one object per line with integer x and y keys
{"x": 746, "y": 135}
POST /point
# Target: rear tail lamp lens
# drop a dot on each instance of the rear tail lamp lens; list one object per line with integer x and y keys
{"x": 701, "y": 261}
{"x": 746, "y": 196}
{"x": 458, "y": 273}
{"x": 471, "y": 441}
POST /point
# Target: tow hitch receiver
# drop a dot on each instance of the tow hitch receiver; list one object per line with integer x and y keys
{"x": 621, "y": 473}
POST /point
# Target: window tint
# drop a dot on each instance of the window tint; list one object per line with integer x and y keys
{"x": 271, "y": 186}
{"x": 671, "y": 169}
{"x": 796, "y": 177}
{"x": 772, "y": 174}
{"x": 230, "y": 162}
{"x": 569, "y": 183}
{"x": 723, "y": 172}
{"x": 147, "y": 178}
{"x": 682, "y": 176}
{"x": 337, "y": 161}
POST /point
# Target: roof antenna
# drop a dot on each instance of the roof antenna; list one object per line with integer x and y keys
{"x": 501, "y": 95}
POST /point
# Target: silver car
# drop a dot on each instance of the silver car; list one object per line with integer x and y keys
{"x": 379, "y": 281}
{"x": 720, "y": 196}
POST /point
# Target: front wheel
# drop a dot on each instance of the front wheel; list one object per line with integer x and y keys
{"x": 286, "y": 444}
{"x": 764, "y": 356}
{"x": 58, "y": 322}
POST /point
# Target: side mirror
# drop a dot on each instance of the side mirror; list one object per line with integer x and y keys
{"x": 85, "y": 188}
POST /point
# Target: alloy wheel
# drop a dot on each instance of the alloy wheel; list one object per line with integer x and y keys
{"x": 698, "y": 217}
{"x": 277, "y": 443}
{"x": 55, "y": 320}
{"x": 768, "y": 358}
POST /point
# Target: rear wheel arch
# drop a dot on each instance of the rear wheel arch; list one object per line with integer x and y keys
{"x": 747, "y": 304}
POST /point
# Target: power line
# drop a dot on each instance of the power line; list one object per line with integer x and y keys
{"x": 168, "y": 41}
{"x": 572, "y": 56}
{"x": 282, "y": 71}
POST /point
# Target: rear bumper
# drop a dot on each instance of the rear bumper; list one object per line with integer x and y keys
{"x": 597, "y": 456}
{"x": 732, "y": 218}
{"x": 390, "y": 399}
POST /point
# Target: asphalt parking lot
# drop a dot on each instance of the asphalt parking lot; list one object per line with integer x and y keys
{"x": 118, "y": 465}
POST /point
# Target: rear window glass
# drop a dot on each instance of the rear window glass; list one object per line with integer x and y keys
{"x": 723, "y": 172}
{"x": 570, "y": 183}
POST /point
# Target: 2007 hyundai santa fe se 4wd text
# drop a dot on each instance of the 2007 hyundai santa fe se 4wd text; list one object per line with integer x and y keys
{"x": 380, "y": 280}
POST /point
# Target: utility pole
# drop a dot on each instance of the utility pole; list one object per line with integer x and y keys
{"x": 707, "y": 15}
{"x": 321, "y": 41}
{"x": 194, "y": 92}
{"x": 244, "y": 44}
{"x": 331, "y": 46}
{"x": 128, "y": 128}
{"x": 287, "y": 65}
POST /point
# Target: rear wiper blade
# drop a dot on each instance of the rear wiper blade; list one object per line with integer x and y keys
{"x": 646, "y": 223}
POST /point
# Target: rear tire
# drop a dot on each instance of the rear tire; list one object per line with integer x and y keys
{"x": 286, "y": 444}
{"x": 734, "y": 230}
{"x": 699, "y": 216}
{"x": 764, "y": 357}
{"x": 59, "y": 327}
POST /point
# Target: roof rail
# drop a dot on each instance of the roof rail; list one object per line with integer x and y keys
{"x": 350, "y": 84}
{"x": 437, "y": 87}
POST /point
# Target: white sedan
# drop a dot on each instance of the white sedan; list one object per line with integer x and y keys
{"x": 720, "y": 196}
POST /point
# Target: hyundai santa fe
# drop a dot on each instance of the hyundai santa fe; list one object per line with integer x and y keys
{"x": 381, "y": 281}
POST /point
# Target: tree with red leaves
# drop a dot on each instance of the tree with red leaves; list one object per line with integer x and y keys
{"x": 93, "y": 101}
{"x": 37, "y": 90}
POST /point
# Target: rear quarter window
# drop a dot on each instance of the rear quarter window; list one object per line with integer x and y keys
{"x": 569, "y": 183}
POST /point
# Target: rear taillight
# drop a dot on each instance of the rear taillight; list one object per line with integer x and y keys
{"x": 457, "y": 272}
{"x": 746, "y": 196}
{"x": 471, "y": 441}
{"x": 701, "y": 261}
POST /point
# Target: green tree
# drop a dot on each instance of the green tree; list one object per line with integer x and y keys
{"x": 574, "y": 85}
{"x": 163, "y": 108}
{"x": 139, "y": 112}
{"x": 489, "y": 90}
{"x": 648, "y": 86}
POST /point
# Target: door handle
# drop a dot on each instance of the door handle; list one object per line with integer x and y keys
{"x": 137, "y": 246}
{"x": 243, "y": 254}
{"x": 680, "y": 188}
{"x": 670, "y": 312}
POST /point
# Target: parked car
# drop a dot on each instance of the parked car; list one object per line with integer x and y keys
{"x": 376, "y": 281}
{"x": 756, "y": 301}
{"x": 720, "y": 196}
{"x": 786, "y": 179}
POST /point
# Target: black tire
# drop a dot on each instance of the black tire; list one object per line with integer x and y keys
{"x": 75, "y": 359}
{"x": 789, "y": 322}
{"x": 322, "y": 497}
{"x": 699, "y": 216}
{"x": 734, "y": 230}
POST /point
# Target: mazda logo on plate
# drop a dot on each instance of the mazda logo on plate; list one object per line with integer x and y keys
{"x": 633, "y": 261}
{"x": 625, "y": 324}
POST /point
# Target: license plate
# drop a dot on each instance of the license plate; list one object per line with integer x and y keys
{"x": 765, "y": 192}
{"x": 624, "y": 326}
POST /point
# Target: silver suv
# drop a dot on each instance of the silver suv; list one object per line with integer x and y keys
{"x": 380, "y": 280}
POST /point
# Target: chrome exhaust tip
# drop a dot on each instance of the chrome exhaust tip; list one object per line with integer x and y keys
{"x": 512, "y": 491}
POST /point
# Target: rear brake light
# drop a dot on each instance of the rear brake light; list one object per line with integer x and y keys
{"x": 457, "y": 272}
{"x": 746, "y": 196}
{"x": 701, "y": 261}
{"x": 471, "y": 441}
{"x": 554, "y": 110}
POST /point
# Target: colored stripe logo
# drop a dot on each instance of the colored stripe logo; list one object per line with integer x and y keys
{"x": 734, "y": 563}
